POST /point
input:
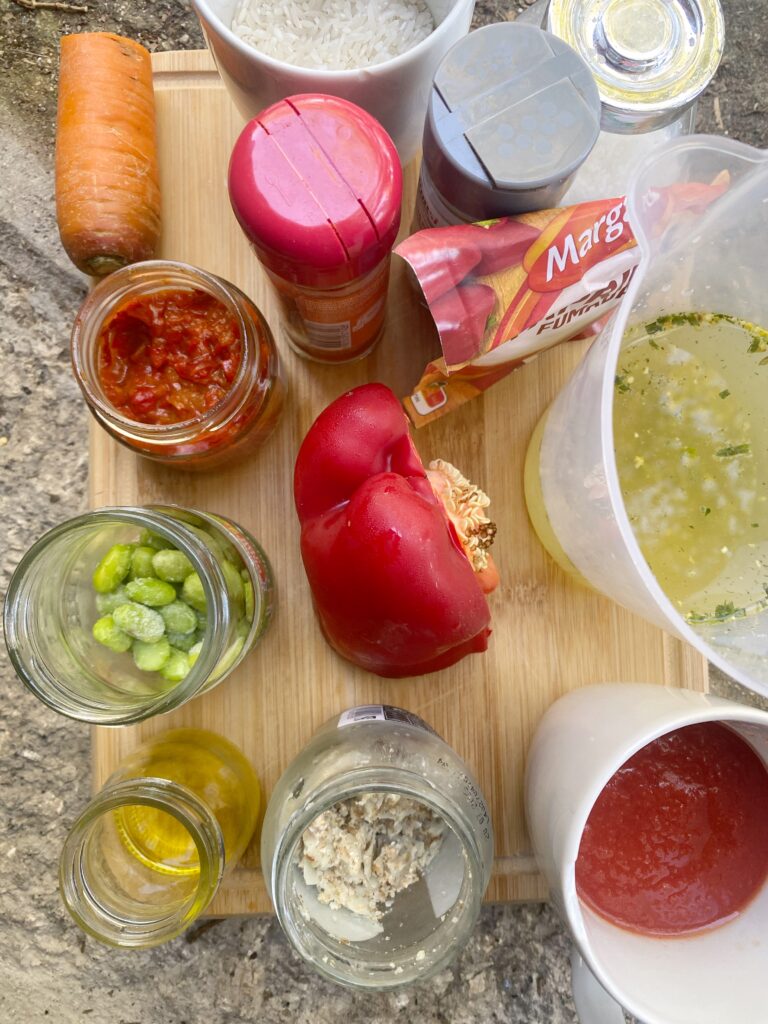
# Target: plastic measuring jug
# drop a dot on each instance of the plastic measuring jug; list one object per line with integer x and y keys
{"x": 712, "y": 262}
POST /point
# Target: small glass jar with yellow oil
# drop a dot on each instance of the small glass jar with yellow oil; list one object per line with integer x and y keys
{"x": 147, "y": 855}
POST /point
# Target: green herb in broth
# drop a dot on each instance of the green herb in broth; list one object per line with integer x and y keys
{"x": 731, "y": 450}
{"x": 758, "y": 335}
{"x": 693, "y": 467}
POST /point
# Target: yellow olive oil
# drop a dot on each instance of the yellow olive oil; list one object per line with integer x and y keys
{"x": 691, "y": 442}
{"x": 228, "y": 787}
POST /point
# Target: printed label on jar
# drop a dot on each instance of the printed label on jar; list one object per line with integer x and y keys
{"x": 382, "y": 713}
{"x": 334, "y": 336}
{"x": 347, "y": 319}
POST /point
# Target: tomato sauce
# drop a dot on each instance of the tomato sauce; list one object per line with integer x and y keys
{"x": 170, "y": 356}
{"x": 678, "y": 839}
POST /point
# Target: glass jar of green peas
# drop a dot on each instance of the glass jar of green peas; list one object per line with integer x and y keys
{"x": 125, "y": 613}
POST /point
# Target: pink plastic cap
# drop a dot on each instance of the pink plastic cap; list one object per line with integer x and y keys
{"x": 316, "y": 185}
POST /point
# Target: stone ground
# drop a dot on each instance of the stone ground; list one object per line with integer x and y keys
{"x": 514, "y": 969}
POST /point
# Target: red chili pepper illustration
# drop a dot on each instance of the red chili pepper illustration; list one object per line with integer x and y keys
{"x": 461, "y": 317}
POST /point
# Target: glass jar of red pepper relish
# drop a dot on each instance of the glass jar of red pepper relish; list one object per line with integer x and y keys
{"x": 316, "y": 185}
{"x": 177, "y": 364}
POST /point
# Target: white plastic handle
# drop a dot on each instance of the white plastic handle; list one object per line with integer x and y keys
{"x": 593, "y": 1004}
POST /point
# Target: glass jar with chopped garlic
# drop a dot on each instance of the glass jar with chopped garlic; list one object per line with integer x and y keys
{"x": 377, "y": 849}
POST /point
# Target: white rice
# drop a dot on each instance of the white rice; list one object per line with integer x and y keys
{"x": 332, "y": 34}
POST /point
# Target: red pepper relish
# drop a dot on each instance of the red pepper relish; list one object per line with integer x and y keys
{"x": 169, "y": 356}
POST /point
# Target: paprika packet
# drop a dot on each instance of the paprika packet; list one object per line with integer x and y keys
{"x": 502, "y": 291}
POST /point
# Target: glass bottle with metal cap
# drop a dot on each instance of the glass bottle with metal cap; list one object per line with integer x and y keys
{"x": 651, "y": 59}
{"x": 512, "y": 114}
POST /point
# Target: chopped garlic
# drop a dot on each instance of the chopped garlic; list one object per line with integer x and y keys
{"x": 365, "y": 850}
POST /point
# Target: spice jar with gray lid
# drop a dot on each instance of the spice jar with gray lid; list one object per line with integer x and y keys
{"x": 512, "y": 115}
{"x": 377, "y": 848}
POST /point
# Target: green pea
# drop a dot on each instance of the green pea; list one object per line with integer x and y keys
{"x": 194, "y": 652}
{"x": 173, "y": 566}
{"x": 106, "y": 603}
{"x": 141, "y": 562}
{"x": 140, "y": 622}
{"x": 151, "y": 657}
{"x": 193, "y": 593}
{"x": 182, "y": 641}
{"x": 249, "y": 602}
{"x": 179, "y": 617}
{"x": 154, "y": 540}
{"x": 152, "y": 592}
{"x": 107, "y": 633}
{"x": 234, "y": 582}
{"x": 229, "y": 550}
{"x": 229, "y": 657}
{"x": 177, "y": 667}
{"x": 212, "y": 542}
{"x": 113, "y": 568}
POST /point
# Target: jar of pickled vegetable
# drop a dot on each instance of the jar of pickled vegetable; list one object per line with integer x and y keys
{"x": 377, "y": 848}
{"x": 125, "y": 613}
{"x": 147, "y": 855}
{"x": 177, "y": 364}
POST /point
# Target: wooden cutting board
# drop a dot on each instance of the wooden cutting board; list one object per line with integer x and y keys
{"x": 549, "y": 635}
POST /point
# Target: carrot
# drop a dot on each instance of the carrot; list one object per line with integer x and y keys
{"x": 107, "y": 183}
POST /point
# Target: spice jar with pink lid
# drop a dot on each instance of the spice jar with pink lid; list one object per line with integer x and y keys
{"x": 316, "y": 185}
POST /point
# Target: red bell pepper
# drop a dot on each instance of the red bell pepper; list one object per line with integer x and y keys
{"x": 396, "y": 555}
{"x": 503, "y": 245}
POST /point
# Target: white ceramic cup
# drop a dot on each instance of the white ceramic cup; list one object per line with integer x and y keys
{"x": 394, "y": 92}
{"x": 713, "y": 977}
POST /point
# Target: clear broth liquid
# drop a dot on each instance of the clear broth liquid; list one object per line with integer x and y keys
{"x": 691, "y": 442}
